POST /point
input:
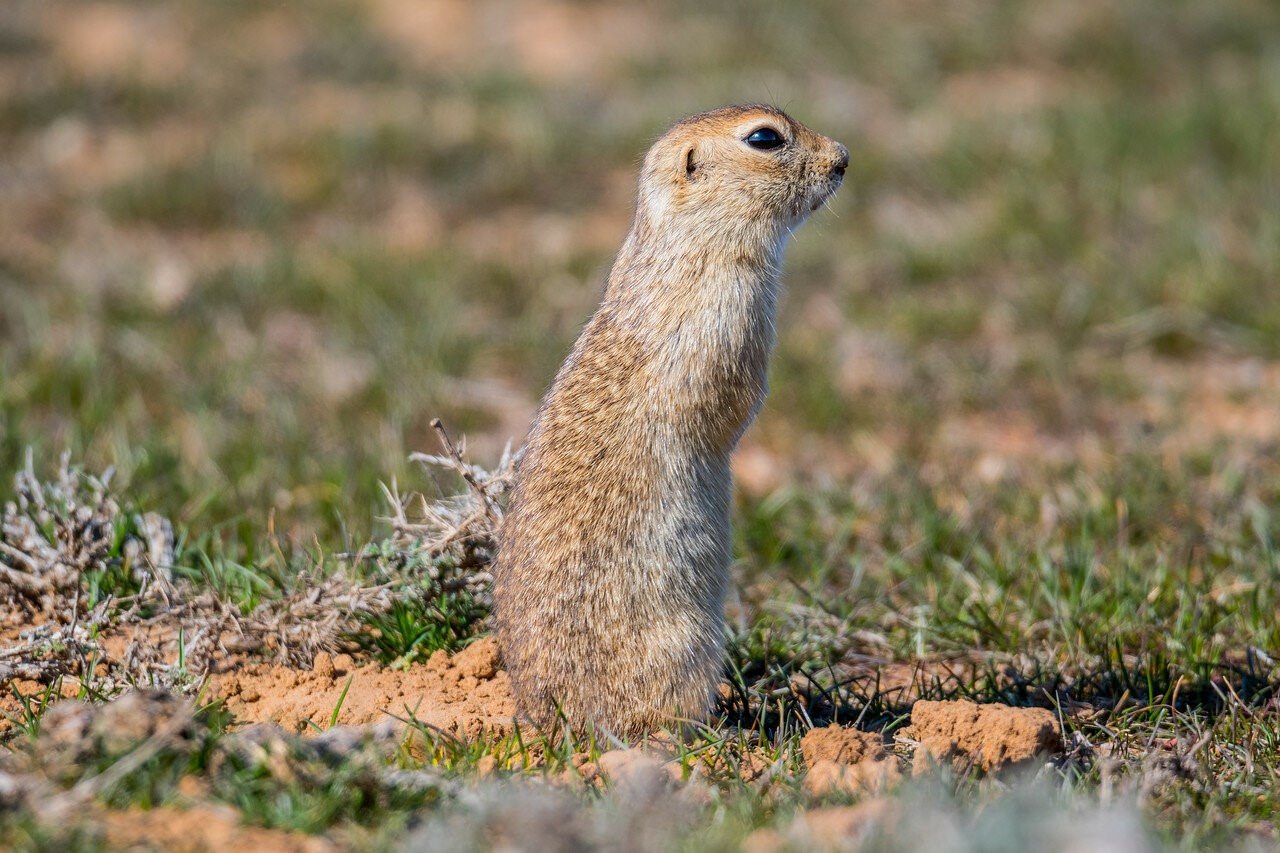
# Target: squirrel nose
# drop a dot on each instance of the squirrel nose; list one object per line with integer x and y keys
{"x": 842, "y": 160}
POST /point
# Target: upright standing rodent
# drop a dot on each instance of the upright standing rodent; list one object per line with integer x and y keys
{"x": 614, "y": 556}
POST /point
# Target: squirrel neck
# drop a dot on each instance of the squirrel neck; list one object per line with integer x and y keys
{"x": 697, "y": 312}
{"x": 696, "y": 279}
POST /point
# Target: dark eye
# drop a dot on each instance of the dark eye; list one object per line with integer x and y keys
{"x": 766, "y": 139}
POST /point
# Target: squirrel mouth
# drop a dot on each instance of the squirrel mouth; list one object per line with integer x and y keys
{"x": 824, "y": 192}
{"x": 820, "y": 198}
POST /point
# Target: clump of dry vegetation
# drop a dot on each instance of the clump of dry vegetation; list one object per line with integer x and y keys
{"x": 63, "y": 543}
{"x": 106, "y": 595}
{"x": 455, "y": 535}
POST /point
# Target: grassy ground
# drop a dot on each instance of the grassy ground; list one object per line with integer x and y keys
{"x": 1023, "y": 437}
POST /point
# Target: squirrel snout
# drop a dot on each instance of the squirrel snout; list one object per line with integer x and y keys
{"x": 841, "y": 161}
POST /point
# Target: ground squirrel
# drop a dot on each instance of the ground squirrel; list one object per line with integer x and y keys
{"x": 614, "y": 556}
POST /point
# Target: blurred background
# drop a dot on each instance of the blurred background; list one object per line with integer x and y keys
{"x": 249, "y": 250}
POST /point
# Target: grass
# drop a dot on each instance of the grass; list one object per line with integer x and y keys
{"x": 1157, "y": 667}
{"x": 1020, "y": 443}
{"x": 418, "y": 625}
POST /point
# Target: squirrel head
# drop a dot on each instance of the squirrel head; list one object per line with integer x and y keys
{"x": 748, "y": 172}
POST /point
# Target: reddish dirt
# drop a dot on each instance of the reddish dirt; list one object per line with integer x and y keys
{"x": 989, "y": 737}
{"x": 20, "y": 692}
{"x": 844, "y": 760}
{"x": 197, "y": 829}
{"x": 841, "y": 745}
{"x": 133, "y": 648}
{"x": 465, "y": 695}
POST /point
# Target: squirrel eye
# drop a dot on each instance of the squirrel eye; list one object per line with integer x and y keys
{"x": 766, "y": 139}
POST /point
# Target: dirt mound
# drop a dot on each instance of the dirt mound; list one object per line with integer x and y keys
{"x": 989, "y": 737}
{"x": 465, "y": 695}
{"x": 200, "y": 828}
{"x": 841, "y": 745}
{"x": 845, "y": 760}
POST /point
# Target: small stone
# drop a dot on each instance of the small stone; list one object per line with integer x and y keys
{"x": 323, "y": 665}
{"x": 479, "y": 660}
{"x": 342, "y": 664}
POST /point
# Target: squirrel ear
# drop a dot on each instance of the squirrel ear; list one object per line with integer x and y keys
{"x": 690, "y": 162}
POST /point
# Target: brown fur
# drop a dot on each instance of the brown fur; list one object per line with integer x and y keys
{"x": 614, "y": 558}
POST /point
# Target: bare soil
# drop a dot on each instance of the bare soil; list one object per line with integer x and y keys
{"x": 841, "y": 745}
{"x": 845, "y": 760}
{"x": 990, "y": 737}
{"x": 465, "y": 695}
